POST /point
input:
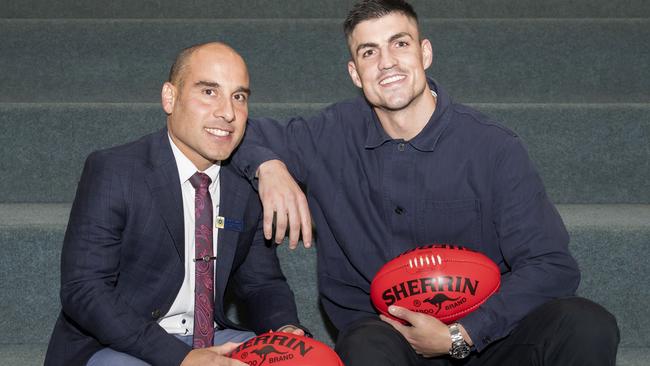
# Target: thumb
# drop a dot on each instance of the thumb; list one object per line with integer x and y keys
{"x": 405, "y": 314}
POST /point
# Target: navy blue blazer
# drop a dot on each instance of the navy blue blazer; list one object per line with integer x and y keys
{"x": 122, "y": 262}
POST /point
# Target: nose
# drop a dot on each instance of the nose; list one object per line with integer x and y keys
{"x": 226, "y": 111}
{"x": 386, "y": 60}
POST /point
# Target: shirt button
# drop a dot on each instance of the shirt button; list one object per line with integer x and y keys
{"x": 399, "y": 210}
{"x": 155, "y": 314}
{"x": 183, "y": 321}
{"x": 401, "y": 146}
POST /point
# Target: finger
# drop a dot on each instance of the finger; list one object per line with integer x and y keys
{"x": 269, "y": 210}
{"x": 281, "y": 224}
{"x": 404, "y": 330}
{"x": 294, "y": 224}
{"x": 305, "y": 220}
{"x": 299, "y": 332}
{"x": 397, "y": 325}
{"x": 224, "y": 348}
{"x": 285, "y": 329}
{"x": 410, "y": 316}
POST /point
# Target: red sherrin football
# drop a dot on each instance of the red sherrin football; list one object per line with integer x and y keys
{"x": 285, "y": 349}
{"x": 440, "y": 280}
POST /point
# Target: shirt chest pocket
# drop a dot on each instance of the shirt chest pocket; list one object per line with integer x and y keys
{"x": 453, "y": 222}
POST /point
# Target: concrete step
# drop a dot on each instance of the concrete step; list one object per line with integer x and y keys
{"x": 318, "y": 9}
{"x": 304, "y": 60}
{"x": 607, "y": 240}
{"x": 33, "y": 354}
{"x": 586, "y": 153}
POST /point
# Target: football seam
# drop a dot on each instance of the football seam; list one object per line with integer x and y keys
{"x": 404, "y": 266}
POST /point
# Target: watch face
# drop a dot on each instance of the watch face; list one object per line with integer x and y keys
{"x": 460, "y": 351}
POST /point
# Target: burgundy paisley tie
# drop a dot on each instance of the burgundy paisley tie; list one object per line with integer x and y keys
{"x": 204, "y": 280}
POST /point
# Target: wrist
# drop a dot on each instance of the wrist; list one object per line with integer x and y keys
{"x": 268, "y": 166}
{"x": 460, "y": 348}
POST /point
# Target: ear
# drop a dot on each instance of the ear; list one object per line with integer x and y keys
{"x": 352, "y": 70}
{"x": 427, "y": 53}
{"x": 168, "y": 97}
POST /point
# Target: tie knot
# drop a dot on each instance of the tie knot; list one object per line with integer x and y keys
{"x": 200, "y": 180}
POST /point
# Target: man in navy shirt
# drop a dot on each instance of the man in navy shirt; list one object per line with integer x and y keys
{"x": 406, "y": 166}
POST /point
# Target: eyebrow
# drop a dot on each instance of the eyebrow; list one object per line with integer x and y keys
{"x": 391, "y": 39}
{"x": 242, "y": 89}
{"x": 366, "y": 45}
{"x": 213, "y": 84}
{"x": 400, "y": 35}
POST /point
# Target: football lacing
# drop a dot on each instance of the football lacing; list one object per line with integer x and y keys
{"x": 423, "y": 261}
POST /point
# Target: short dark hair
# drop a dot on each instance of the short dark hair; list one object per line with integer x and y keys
{"x": 176, "y": 71}
{"x": 373, "y": 9}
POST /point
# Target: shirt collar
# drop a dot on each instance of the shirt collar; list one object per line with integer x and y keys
{"x": 186, "y": 168}
{"x": 427, "y": 139}
{"x": 376, "y": 135}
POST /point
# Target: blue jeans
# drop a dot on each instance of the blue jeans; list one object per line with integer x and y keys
{"x": 110, "y": 357}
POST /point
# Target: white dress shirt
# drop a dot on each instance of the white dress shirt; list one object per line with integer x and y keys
{"x": 180, "y": 318}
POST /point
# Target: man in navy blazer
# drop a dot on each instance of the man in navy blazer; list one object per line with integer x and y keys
{"x": 125, "y": 259}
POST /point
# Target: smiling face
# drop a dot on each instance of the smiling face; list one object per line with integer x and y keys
{"x": 388, "y": 61}
{"x": 207, "y": 107}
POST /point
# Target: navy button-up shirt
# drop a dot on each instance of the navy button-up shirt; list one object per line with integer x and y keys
{"x": 464, "y": 179}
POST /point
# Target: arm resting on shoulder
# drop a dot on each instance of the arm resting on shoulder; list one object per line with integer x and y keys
{"x": 259, "y": 158}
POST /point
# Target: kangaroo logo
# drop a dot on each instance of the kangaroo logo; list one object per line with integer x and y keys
{"x": 265, "y": 351}
{"x": 438, "y": 300}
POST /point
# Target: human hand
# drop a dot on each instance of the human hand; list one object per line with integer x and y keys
{"x": 428, "y": 336}
{"x": 212, "y": 356}
{"x": 281, "y": 195}
{"x": 291, "y": 329}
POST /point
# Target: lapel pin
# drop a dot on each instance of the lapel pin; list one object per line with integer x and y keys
{"x": 229, "y": 224}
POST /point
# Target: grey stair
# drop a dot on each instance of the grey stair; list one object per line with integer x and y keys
{"x": 321, "y": 9}
{"x": 34, "y": 354}
{"x": 628, "y": 356}
{"x": 26, "y": 354}
{"x": 480, "y": 60}
{"x": 610, "y": 243}
{"x": 586, "y": 153}
{"x": 607, "y": 240}
{"x": 571, "y": 77}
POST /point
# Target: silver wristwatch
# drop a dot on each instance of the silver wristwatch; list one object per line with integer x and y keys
{"x": 459, "y": 348}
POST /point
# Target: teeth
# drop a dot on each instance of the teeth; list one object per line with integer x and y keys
{"x": 392, "y": 79}
{"x": 217, "y": 132}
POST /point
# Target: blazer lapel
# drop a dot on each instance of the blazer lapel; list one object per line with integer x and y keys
{"x": 163, "y": 182}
